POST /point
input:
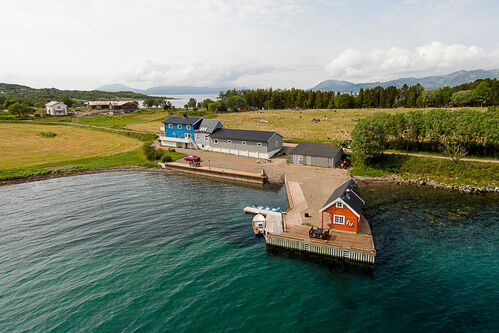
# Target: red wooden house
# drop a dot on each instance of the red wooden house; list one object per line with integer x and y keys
{"x": 343, "y": 210}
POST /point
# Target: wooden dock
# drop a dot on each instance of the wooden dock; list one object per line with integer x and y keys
{"x": 355, "y": 247}
{"x": 235, "y": 175}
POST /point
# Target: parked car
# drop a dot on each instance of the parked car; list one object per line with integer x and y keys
{"x": 192, "y": 158}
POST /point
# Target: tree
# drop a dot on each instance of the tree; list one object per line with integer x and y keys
{"x": 205, "y": 103}
{"x": 149, "y": 102}
{"x": 20, "y": 109}
{"x": 8, "y": 102}
{"x": 167, "y": 105}
{"x": 462, "y": 98}
{"x": 345, "y": 101}
{"x": 68, "y": 101}
{"x": 482, "y": 94}
{"x": 236, "y": 102}
{"x": 369, "y": 136}
{"x": 192, "y": 103}
{"x": 416, "y": 125}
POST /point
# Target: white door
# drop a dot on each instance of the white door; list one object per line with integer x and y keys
{"x": 308, "y": 160}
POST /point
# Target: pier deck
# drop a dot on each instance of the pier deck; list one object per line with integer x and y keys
{"x": 244, "y": 176}
{"x": 356, "y": 247}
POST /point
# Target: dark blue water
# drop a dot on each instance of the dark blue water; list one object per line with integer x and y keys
{"x": 154, "y": 252}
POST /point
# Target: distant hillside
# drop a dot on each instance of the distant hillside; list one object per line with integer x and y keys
{"x": 430, "y": 82}
{"x": 38, "y": 97}
{"x": 162, "y": 90}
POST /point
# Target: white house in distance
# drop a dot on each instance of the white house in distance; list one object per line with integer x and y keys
{"x": 55, "y": 108}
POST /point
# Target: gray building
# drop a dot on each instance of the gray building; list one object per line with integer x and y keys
{"x": 259, "y": 144}
{"x": 204, "y": 131}
{"x": 316, "y": 154}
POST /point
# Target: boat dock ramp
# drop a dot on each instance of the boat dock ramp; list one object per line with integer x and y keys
{"x": 228, "y": 174}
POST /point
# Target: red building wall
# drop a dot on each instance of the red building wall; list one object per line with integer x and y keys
{"x": 328, "y": 216}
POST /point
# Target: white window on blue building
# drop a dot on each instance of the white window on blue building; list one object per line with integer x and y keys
{"x": 179, "y": 126}
{"x": 188, "y": 127}
{"x": 170, "y": 126}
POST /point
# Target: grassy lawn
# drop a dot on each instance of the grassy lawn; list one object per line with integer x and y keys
{"x": 439, "y": 170}
{"x": 121, "y": 121}
{"x": 27, "y": 150}
{"x": 23, "y": 146}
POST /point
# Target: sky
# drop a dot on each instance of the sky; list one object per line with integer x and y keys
{"x": 83, "y": 44}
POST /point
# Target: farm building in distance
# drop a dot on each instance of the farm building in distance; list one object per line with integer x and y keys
{"x": 316, "y": 154}
{"x": 55, "y": 108}
{"x": 112, "y": 105}
{"x": 210, "y": 134}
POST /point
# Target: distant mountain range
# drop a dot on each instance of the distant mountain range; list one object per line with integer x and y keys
{"x": 430, "y": 82}
{"x": 162, "y": 90}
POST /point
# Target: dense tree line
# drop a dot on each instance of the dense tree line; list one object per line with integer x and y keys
{"x": 38, "y": 97}
{"x": 479, "y": 93}
{"x": 456, "y": 133}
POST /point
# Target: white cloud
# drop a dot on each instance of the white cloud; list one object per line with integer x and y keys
{"x": 198, "y": 74}
{"x": 433, "y": 58}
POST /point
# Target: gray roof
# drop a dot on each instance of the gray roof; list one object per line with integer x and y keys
{"x": 346, "y": 193}
{"x": 180, "y": 120}
{"x": 209, "y": 125}
{"x": 248, "y": 135}
{"x": 315, "y": 149}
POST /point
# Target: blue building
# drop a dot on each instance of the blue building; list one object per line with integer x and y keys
{"x": 211, "y": 135}
{"x": 178, "y": 131}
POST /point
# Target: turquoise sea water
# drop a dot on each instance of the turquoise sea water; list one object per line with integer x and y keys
{"x": 152, "y": 252}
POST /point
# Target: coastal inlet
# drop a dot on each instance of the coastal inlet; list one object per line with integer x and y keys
{"x": 138, "y": 251}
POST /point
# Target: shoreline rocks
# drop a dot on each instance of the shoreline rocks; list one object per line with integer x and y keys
{"x": 430, "y": 182}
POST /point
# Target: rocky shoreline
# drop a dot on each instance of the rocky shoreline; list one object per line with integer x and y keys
{"x": 429, "y": 182}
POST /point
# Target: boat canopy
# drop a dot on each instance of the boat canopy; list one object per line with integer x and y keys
{"x": 259, "y": 218}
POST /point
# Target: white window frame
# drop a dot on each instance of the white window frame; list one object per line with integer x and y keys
{"x": 243, "y": 143}
{"x": 339, "y": 204}
{"x": 258, "y": 144}
{"x": 187, "y": 127}
{"x": 229, "y": 141}
{"x": 187, "y": 135}
{"x": 179, "y": 126}
{"x": 170, "y": 126}
{"x": 215, "y": 141}
{"x": 206, "y": 137}
{"x": 341, "y": 219}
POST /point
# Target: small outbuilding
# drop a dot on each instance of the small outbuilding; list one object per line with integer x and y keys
{"x": 316, "y": 154}
{"x": 55, "y": 108}
{"x": 343, "y": 210}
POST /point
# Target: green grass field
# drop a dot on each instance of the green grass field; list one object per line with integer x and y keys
{"x": 23, "y": 146}
{"x": 27, "y": 150}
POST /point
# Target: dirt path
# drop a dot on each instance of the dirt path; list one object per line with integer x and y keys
{"x": 445, "y": 157}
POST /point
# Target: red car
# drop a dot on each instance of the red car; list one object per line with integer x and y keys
{"x": 192, "y": 158}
